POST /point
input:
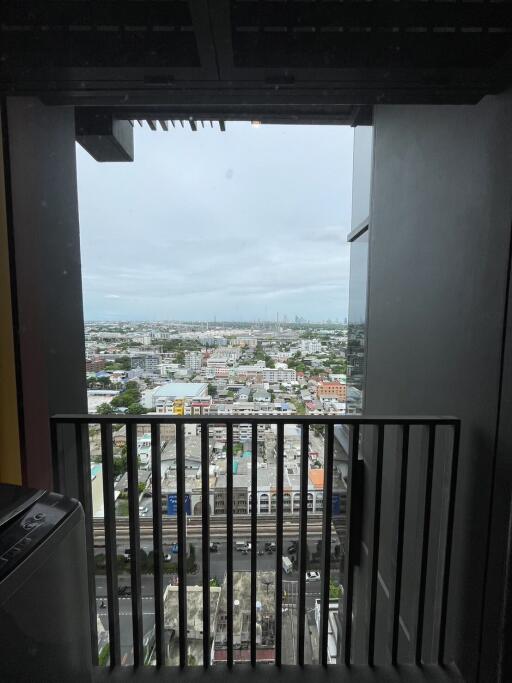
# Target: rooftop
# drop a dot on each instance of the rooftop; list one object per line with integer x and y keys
{"x": 194, "y": 608}
{"x": 265, "y": 608}
{"x": 180, "y": 390}
{"x": 316, "y": 477}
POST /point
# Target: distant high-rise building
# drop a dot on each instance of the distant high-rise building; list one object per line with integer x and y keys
{"x": 148, "y": 362}
{"x": 310, "y": 346}
{"x": 193, "y": 360}
{"x": 94, "y": 364}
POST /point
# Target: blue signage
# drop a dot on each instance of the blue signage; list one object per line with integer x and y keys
{"x": 172, "y": 504}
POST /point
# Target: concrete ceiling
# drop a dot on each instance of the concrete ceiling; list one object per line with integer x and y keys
{"x": 290, "y": 60}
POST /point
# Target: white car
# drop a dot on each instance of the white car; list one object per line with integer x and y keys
{"x": 312, "y": 576}
{"x": 143, "y": 509}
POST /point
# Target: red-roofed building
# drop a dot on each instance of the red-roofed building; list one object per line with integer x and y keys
{"x": 332, "y": 390}
{"x": 199, "y": 406}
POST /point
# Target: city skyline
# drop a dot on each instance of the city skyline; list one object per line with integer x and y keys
{"x": 213, "y": 321}
{"x": 254, "y": 242}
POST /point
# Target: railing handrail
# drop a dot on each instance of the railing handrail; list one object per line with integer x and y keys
{"x": 92, "y": 418}
{"x": 350, "y": 528}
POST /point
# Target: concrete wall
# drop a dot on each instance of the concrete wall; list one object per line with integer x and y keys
{"x": 41, "y": 143}
{"x": 439, "y": 248}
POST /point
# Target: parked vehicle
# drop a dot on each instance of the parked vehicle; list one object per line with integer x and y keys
{"x": 312, "y": 576}
{"x": 242, "y": 546}
{"x": 292, "y": 548}
{"x": 270, "y": 546}
{"x": 214, "y": 547}
{"x": 124, "y": 591}
{"x": 287, "y": 565}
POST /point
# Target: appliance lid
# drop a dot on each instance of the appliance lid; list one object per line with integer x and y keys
{"x": 14, "y": 500}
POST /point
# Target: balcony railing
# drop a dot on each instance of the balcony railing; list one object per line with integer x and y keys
{"x": 71, "y": 439}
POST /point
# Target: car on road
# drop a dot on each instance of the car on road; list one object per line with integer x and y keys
{"x": 287, "y": 565}
{"x": 214, "y": 547}
{"x": 124, "y": 591}
{"x": 292, "y": 548}
{"x": 270, "y": 547}
{"x": 167, "y": 557}
{"x": 312, "y": 576}
{"x": 242, "y": 546}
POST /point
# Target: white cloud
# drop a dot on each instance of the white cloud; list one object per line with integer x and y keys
{"x": 175, "y": 238}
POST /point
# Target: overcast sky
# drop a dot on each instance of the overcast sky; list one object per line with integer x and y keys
{"x": 241, "y": 225}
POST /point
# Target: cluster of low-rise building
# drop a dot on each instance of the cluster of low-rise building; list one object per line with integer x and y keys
{"x": 224, "y": 372}
{"x": 265, "y": 620}
{"x": 186, "y": 370}
{"x": 221, "y": 371}
{"x": 265, "y": 494}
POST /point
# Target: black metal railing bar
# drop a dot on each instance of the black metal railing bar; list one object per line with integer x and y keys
{"x": 354, "y": 423}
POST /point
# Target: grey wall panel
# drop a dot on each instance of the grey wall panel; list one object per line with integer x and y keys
{"x": 441, "y": 217}
{"x": 48, "y": 287}
{"x": 497, "y": 651}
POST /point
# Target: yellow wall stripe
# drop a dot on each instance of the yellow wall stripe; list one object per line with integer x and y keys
{"x": 10, "y": 457}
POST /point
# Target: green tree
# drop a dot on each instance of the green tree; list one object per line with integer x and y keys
{"x": 104, "y": 382}
{"x": 335, "y": 590}
{"x": 180, "y": 357}
{"x": 259, "y": 354}
{"x": 339, "y": 367}
{"x": 120, "y": 464}
{"x": 127, "y": 397}
{"x": 112, "y": 366}
{"x": 173, "y": 345}
{"x": 212, "y": 390}
{"x": 124, "y": 362}
{"x": 104, "y": 409}
{"x": 99, "y": 383}
{"x": 104, "y": 655}
{"x": 300, "y": 409}
{"x": 136, "y": 409}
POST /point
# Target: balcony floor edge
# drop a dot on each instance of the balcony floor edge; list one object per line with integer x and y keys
{"x": 339, "y": 674}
